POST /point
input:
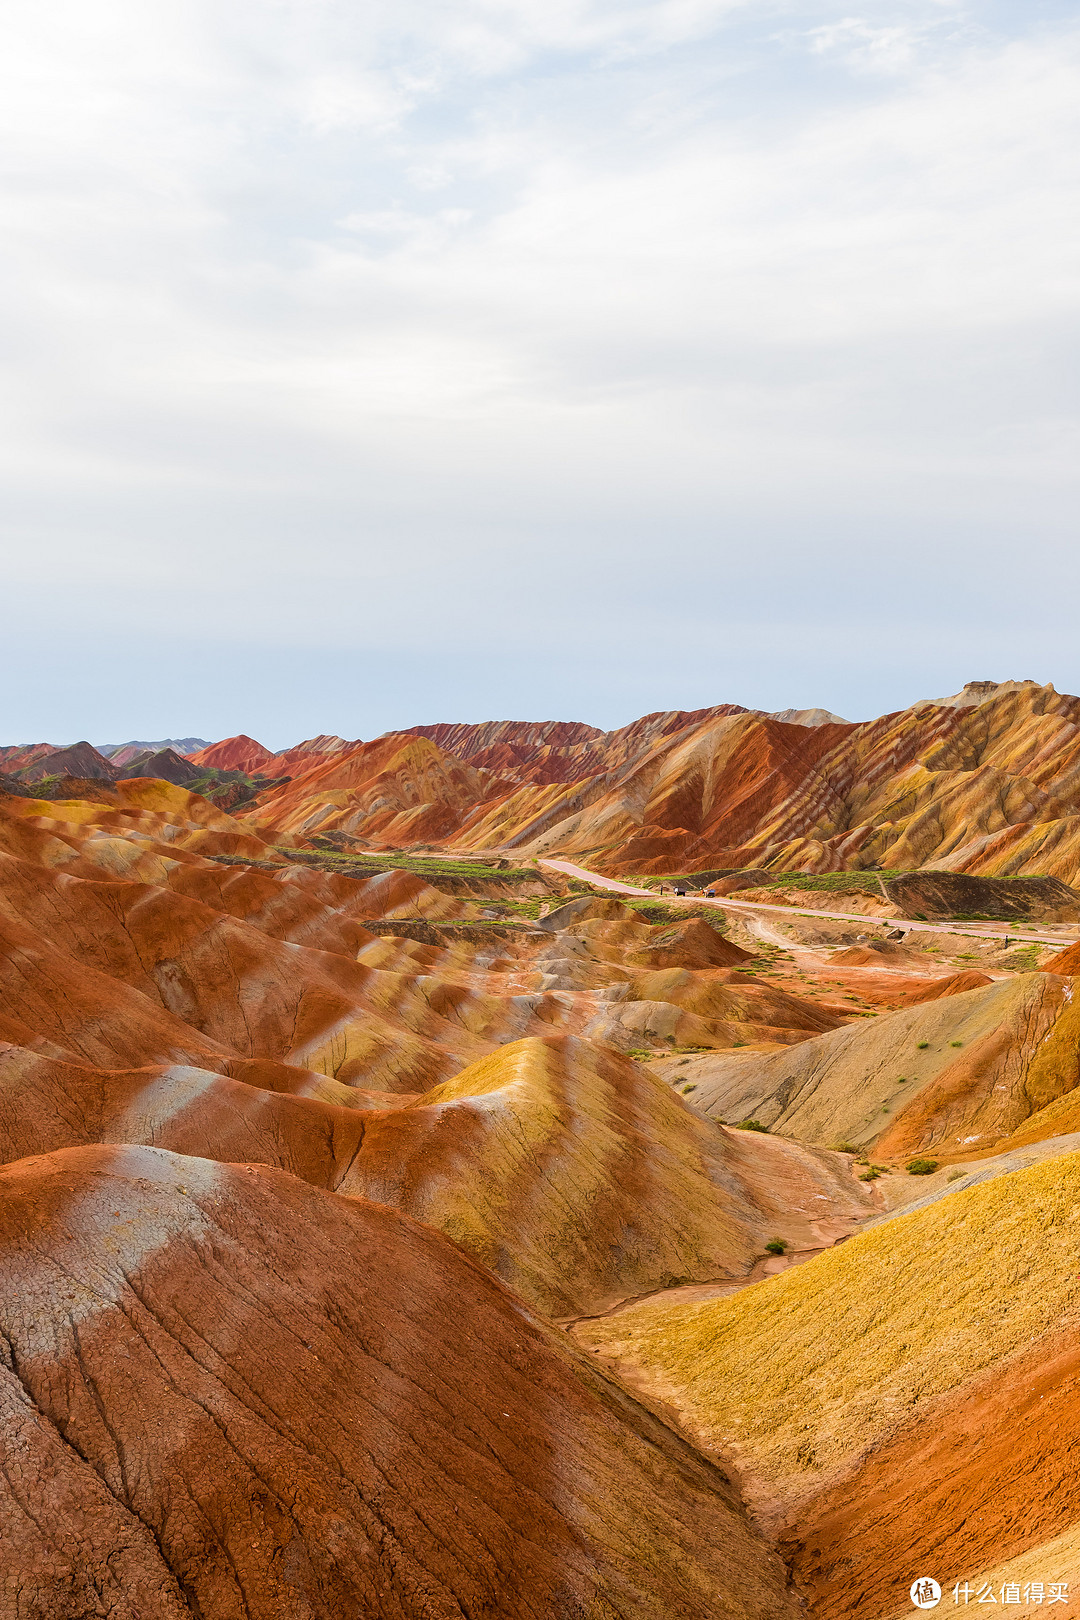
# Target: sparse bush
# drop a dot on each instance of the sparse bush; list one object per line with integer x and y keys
{"x": 752, "y": 1125}
{"x": 922, "y": 1045}
{"x": 901, "y": 1079}
{"x": 956, "y": 1043}
{"x": 956, "y": 1175}
{"x": 922, "y": 1167}
{"x": 775, "y": 1246}
{"x": 844, "y": 1147}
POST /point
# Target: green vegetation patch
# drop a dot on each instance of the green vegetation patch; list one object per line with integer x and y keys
{"x": 829, "y": 882}
{"x": 653, "y": 911}
{"x": 835, "y": 882}
{"x": 353, "y": 864}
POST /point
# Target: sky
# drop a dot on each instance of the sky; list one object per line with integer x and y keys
{"x": 369, "y": 366}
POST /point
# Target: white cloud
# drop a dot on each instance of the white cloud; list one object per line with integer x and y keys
{"x": 880, "y": 49}
{"x": 303, "y": 294}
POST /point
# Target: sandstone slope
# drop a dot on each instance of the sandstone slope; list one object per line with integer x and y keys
{"x": 988, "y": 786}
{"x": 569, "y": 1172}
{"x": 227, "y": 1394}
{"x": 953, "y": 1076}
{"x": 905, "y": 1403}
{"x": 245, "y": 1013}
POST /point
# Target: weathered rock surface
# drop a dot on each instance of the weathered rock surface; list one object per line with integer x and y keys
{"x": 227, "y": 1394}
{"x": 957, "y": 894}
{"x": 907, "y": 1402}
{"x": 242, "y": 1380}
{"x": 954, "y": 1075}
{"x": 1066, "y": 961}
{"x": 572, "y": 1174}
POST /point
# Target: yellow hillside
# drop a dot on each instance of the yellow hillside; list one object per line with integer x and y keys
{"x": 795, "y": 1377}
{"x": 582, "y": 1180}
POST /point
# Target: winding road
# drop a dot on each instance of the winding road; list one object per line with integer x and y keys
{"x": 976, "y": 930}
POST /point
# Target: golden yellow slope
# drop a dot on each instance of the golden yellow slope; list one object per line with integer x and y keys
{"x": 582, "y": 1180}
{"x": 796, "y": 1377}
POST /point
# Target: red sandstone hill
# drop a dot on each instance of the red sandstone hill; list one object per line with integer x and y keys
{"x": 243, "y": 753}
{"x": 124, "y": 952}
{"x": 986, "y": 784}
{"x": 241, "y": 1388}
{"x": 549, "y": 751}
{"x": 16, "y": 756}
{"x": 228, "y": 1394}
{"x": 396, "y": 790}
{"x": 234, "y": 754}
{"x": 303, "y": 755}
{"x": 79, "y": 759}
{"x": 1066, "y": 961}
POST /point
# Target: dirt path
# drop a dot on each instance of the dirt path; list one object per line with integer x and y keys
{"x": 748, "y": 907}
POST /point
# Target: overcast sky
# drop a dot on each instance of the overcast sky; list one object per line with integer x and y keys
{"x": 382, "y": 363}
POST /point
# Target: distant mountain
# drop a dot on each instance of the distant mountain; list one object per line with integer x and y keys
{"x": 809, "y": 717}
{"x": 312, "y": 752}
{"x": 81, "y": 759}
{"x": 239, "y": 753}
{"x": 120, "y": 753}
{"x": 987, "y": 782}
{"x": 976, "y": 692}
{"x": 16, "y": 756}
{"x": 164, "y": 765}
{"x": 243, "y": 753}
